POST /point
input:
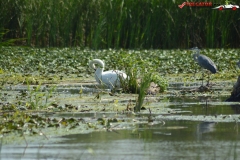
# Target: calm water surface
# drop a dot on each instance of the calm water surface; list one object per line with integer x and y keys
{"x": 174, "y": 140}
{"x": 169, "y": 140}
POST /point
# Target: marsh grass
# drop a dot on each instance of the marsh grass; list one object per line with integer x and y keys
{"x": 118, "y": 24}
{"x": 38, "y": 98}
{"x": 7, "y": 42}
{"x": 140, "y": 73}
{"x": 145, "y": 82}
{"x": 130, "y": 85}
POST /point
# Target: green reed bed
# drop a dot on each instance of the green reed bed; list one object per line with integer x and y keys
{"x": 118, "y": 24}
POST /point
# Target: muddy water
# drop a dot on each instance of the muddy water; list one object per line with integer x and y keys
{"x": 189, "y": 126}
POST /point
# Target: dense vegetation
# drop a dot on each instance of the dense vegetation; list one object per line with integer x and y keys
{"x": 39, "y": 67}
{"x": 117, "y": 24}
{"x": 100, "y": 24}
{"x": 73, "y": 62}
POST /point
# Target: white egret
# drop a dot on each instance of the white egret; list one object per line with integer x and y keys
{"x": 109, "y": 78}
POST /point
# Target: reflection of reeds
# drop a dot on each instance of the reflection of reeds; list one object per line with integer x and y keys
{"x": 118, "y": 24}
{"x": 1, "y": 144}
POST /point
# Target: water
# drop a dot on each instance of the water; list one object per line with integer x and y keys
{"x": 205, "y": 105}
{"x": 193, "y": 126}
{"x": 174, "y": 140}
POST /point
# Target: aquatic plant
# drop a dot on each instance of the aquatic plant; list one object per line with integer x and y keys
{"x": 118, "y": 24}
{"x": 38, "y": 98}
{"x": 37, "y": 67}
{"x": 81, "y": 91}
{"x": 22, "y": 122}
{"x": 53, "y": 65}
{"x": 145, "y": 82}
{"x": 160, "y": 81}
{"x": 107, "y": 123}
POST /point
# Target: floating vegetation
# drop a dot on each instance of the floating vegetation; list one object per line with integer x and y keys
{"x": 32, "y": 84}
{"x": 53, "y": 65}
{"x": 23, "y": 122}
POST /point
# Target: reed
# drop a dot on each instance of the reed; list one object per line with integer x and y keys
{"x": 118, "y": 24}
{"x": 145, "y": 82}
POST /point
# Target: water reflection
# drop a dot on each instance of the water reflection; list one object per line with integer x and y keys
{"x": 205, "y": 127}
{"x": 177, "y": 140}
{"x": 204, "y": 105}
{"x": 236, "y": 108}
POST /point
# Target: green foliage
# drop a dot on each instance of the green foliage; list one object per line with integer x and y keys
{"x": 38, "y": 99}
{"x": 118, "y": 24}
{"x": 160, "y": 81}
{"x": 9, "y": 42}
{"x": 135, "y": 66}
{"x": 27, "y": 123}
{"x": 132, "y": 68}
{"x": 141, "y": 72}
{"x": 54, "y": 64}
{"x": 145, "y": 82}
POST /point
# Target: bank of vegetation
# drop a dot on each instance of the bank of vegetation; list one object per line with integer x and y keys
{"x": 117, "y": 24}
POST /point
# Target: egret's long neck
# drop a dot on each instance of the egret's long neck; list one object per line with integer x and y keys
{"x": 101, "y": 66}
{"x": 96, "y": 61}
{"x": 91, "y": 65}
{"x": 99, "y": 71}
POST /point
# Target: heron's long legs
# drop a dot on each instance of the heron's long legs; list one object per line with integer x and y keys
{"x": 208, "y": 79}
{"x": 202, "y": 76}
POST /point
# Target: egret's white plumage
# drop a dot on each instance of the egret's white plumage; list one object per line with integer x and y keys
{"x": 109, "y": 78}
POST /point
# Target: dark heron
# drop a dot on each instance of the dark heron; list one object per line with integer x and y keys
{"x": 238, "y": 64}
{"x": 204, "y": 61}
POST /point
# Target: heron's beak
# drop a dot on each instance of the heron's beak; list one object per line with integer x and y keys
{"x": 194, "y": 48}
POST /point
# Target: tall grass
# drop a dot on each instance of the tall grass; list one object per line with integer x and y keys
{"x": 145, "y": 83}
{"x": 118, "y": 24}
